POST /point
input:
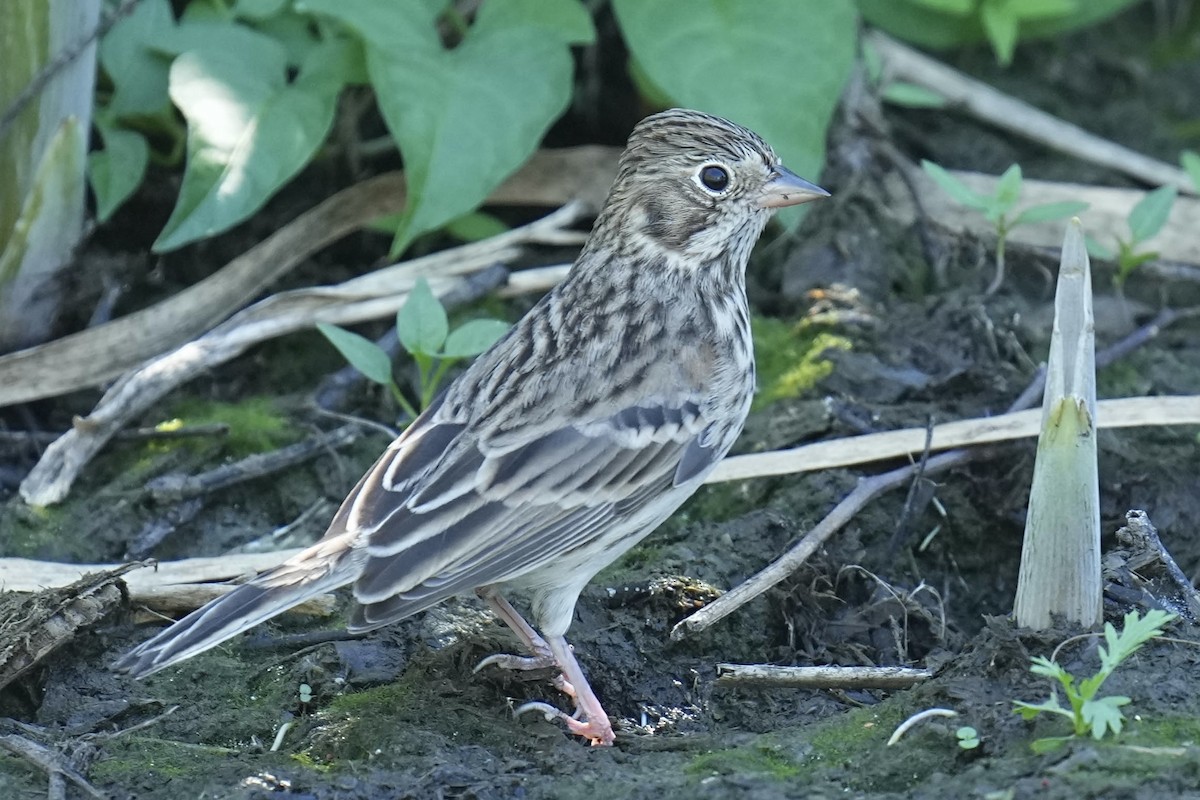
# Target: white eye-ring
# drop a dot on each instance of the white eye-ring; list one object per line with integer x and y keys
{"x": 715, "y": 178}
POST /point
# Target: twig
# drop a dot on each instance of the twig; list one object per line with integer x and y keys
{"x": 370, "y": 296}
{"x": 136, "y": 434}
{"x": 51, "y": 762}
{"x": 173, "y": 488}
{"x": 990, "y": 105}
{"x": 920, "y": 716}
{"x": 770, "y": 676}
{"x": 867, "y": 488}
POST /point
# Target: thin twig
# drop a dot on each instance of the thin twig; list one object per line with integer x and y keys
{"x": 863, "y": 493}
{"x": 775, "y": 677}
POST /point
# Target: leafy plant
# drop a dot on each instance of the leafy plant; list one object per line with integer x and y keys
{"x": 1145, "y": 220}
{"x": 968, "y": 737}
{"x": 1088, "y": 713}
{"x": 997, "y": 208}
{"x": 952, "y": 23}
{"x": 424, "y": 332}
{"x": 900, "y": 93}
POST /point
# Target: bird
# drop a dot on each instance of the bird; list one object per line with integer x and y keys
{"x": 579, "y": 432}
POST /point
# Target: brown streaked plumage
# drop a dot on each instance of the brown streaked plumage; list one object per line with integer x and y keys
{"x": 579, "y": 432}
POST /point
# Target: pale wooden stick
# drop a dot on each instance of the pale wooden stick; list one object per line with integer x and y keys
{"x": 1126, "y": 412}
{"x": 831, "y": 677}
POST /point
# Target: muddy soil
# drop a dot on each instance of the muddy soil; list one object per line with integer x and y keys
{"x": 918, "y": 579}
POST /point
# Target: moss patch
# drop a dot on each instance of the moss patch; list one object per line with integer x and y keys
{"x": 790, "y": 358}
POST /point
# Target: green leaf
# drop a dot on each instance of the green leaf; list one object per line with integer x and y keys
{"x": 911, "y": 95}
{"x": 363, "y": 354}
{"x": 245, "y": 139}
{"x": 1190, "y": 161}
{"x": 258, "y": 9}
{"x": 1001, "y": 26}
{"x": 475, "y": 226}
{"x": 1150, "y": 214}
{"x": 464, "y": 118}
{"x": 955, "y": 8}
{"x": 421, "y": 322}
{"x": 1008, "y": 190}
{"x": 1051, "y": 706}
{"x": 1048, "y": 744}
{"x": 775, "y": 66}
{"x": 474, "y": 337}
{"x": 1048, "y": 212}
{"x": 223, "y": 35}
{"x": 128, "y": 54}
{"x": 1041, "y": 9}
{"x": 1103, "y": 715}
{"x": 116, "y": 171}
{"x": 954, "y": 187}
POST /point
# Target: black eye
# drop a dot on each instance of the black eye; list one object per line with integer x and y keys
{"x": 714, "y": 178}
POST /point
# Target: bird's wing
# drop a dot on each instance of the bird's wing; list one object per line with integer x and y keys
{"x": 489, "y": 511}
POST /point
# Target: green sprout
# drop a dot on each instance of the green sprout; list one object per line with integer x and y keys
{"x": 1145, "y": 220}
{"x": 1088, "y": 713}
{"x": 424, "y": 332}
{"x": 968, "y": 737}
{"x": 997, "y": 208}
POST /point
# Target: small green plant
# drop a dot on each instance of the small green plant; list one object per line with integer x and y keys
{"x": 968, "y": 737}
{"x": 1088, "y": 713}
{"x": 997, "y": 208}
{"x": 424, "y": 332}
{"x": 1145, "y": 220}
{"x": 900, "y": 93}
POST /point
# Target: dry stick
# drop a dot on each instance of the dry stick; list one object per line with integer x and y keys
{"x": 986, "y": 103}
{"x": 51, "y": 762}
{"x": 369, "y": 296}
{"x": 866, "y": 490}
{"x": 774, "y": 677}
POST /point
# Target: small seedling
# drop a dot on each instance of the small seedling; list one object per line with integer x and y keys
{"x": 305, "y": 694}
{"x": 424, "y": 332}
{"x": 1088, "y": 713}
{"x": 997, "y": 208}
{"x": 968, "y": 737}
{"x": 1145, "y": 220}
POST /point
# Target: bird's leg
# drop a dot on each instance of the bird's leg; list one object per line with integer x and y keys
{"x": 541, "y": 657}
{"x": 589, "y": 720}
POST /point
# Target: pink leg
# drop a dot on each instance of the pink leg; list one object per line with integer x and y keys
{"x": 589, "y": 720}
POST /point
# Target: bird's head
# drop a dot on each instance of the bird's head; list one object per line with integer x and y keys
{"x": 697, "y": 188}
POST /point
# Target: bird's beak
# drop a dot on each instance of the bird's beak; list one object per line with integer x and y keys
{"x": 786, "y": 188}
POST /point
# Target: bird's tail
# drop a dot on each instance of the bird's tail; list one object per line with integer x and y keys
{"x": 325, "y": 566}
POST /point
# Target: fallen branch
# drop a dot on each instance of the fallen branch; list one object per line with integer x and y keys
{"x": 773, "y": 677}
{"x": 986, "y": 103}
{"x": 367, "y": 297}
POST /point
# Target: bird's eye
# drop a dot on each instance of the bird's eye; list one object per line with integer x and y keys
{"x": 714, "y": 178}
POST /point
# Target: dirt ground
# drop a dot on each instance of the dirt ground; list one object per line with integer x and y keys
{"x": 925, "y": 580}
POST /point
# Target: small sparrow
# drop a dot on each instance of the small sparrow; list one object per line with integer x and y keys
{"x": 573, "y": 437}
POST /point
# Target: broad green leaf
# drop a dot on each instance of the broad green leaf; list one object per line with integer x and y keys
{"x": 1097, "y": 250}
{"x": 957, "y": 8}
{"x": 1001, "y": 26}
{"x": 295, "y": 32}
{"x": 473, "y": 337}
{"x": 258, "y": 9}
{"x": 421, "y": 323}
{"x": 475, "y": 226}
{"x": 1104, "y": 715}
{"x": 1190, "y": 161}
{"x": 1008, "y": 189}
{"x": 116, "y": 171}
{"x": 775, "y": 66}
{"x": 128, "y": 53}
{"x": 1048, "y": 212}
{"x": 249, "y": 132}
{"x": 911, "y": 95}
{"x": 954, "y": 187}
{"x": 226, "y": 36}
{"x": 1048, "y": 744}
{"x": 1041, "y": 9}
{"x": 1150, "y": 214}
{"x": 464, "y": 118}
{"x": 363, "y": 354}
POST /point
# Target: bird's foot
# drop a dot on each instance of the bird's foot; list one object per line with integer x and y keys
{"x": 598, "y": 731}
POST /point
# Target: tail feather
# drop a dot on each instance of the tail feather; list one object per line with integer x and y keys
{"x": 322, "y": 568}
